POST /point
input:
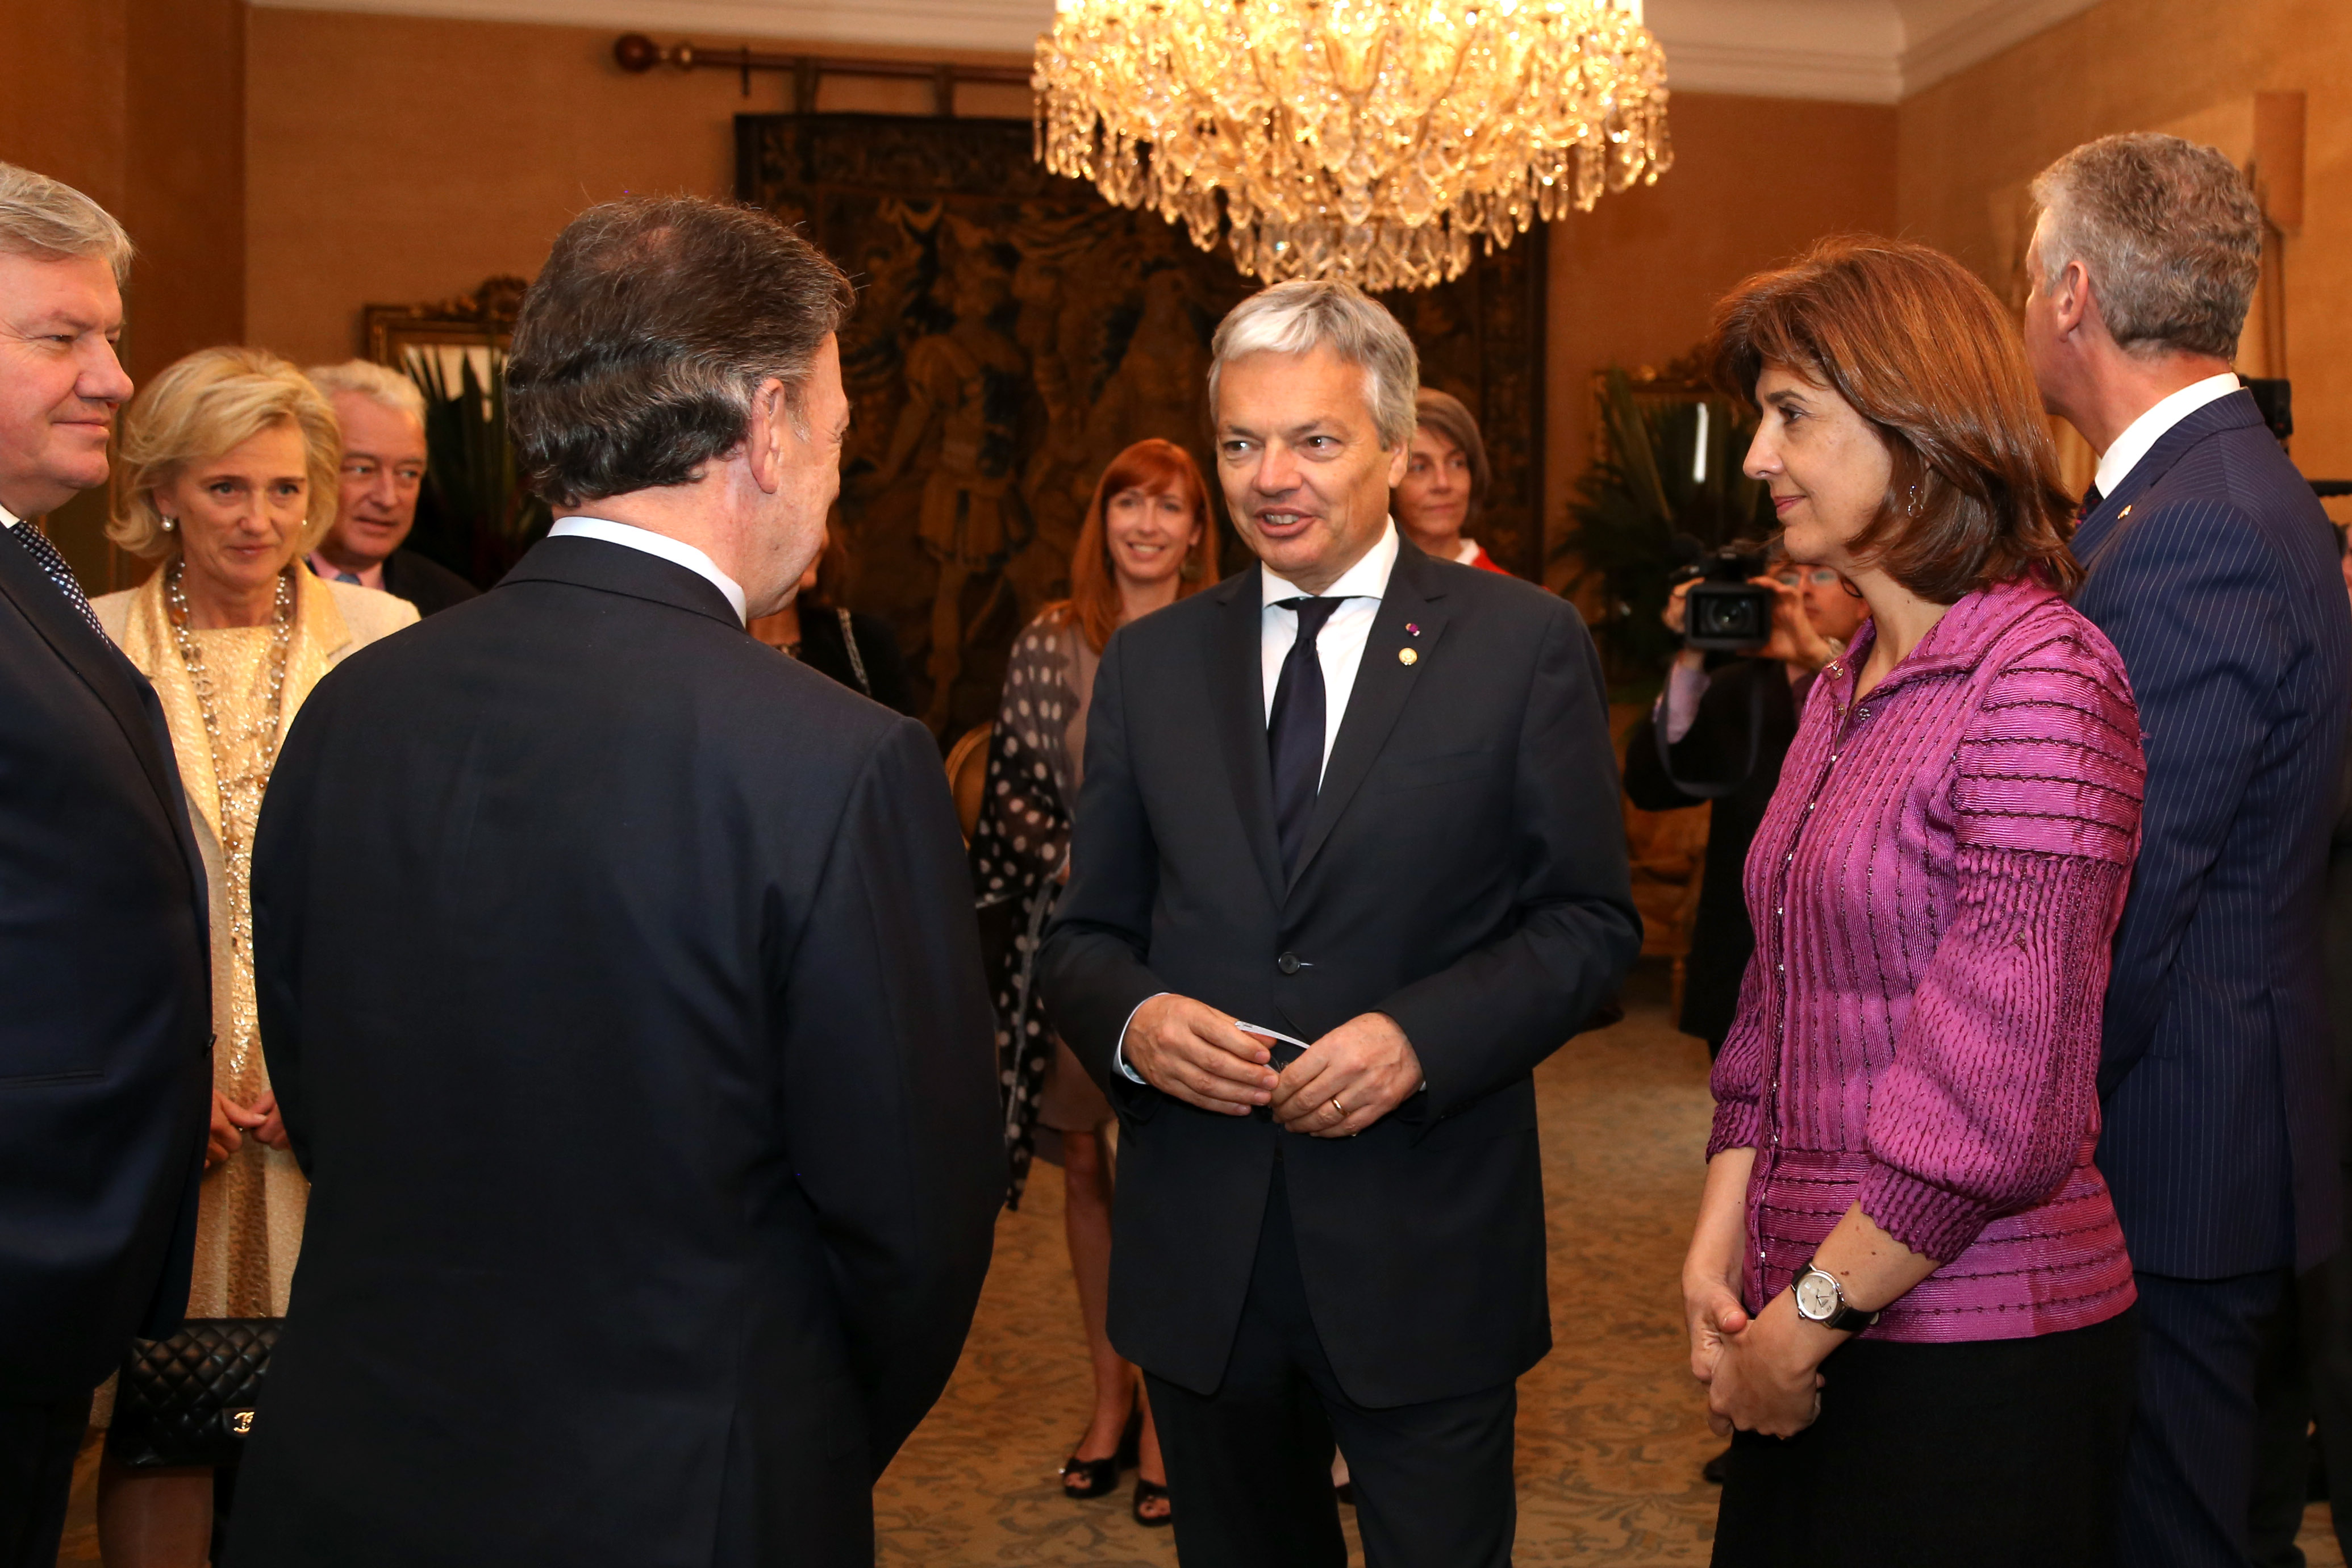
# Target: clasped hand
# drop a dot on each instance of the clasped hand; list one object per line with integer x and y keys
{"x": 1761, "y": 1374}
{"x": 231, "y": 1121}
{"x": 1342, "y": 1084}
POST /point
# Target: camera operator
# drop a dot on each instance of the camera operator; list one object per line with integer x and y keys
{"x": 1721, "y": 737}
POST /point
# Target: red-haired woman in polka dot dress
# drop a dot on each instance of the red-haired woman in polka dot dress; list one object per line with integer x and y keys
{"x": 1149, "y": 539}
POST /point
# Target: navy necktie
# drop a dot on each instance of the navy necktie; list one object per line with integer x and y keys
{"x": 2091, "y": 500}
{"x": 1294, "y": 731}
{"x": 52, "y": 564}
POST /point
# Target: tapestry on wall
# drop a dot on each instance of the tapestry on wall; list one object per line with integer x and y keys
{"x": 1014, "y": 331}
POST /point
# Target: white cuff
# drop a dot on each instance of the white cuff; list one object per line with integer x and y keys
{"x": 1118, "y": 1051}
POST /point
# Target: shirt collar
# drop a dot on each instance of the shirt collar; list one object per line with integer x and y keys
{"x": 1367, "y": 579}
{"x": 2118, "y": 460}
{"x": 327, "y": 571}
{"x": 661, "y": 544}
{"x": 8, "y": 519}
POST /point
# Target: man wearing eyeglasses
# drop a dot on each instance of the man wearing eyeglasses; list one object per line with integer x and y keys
{"x": 383, "y": 417}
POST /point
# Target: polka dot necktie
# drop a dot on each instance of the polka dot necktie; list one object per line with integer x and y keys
{"x": 45, "y": 555}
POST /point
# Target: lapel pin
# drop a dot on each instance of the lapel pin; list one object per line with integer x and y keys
{"x": 2125, "y": 513}
{"x": 1412, "y": 630}
{"x": 1406, "y": 655}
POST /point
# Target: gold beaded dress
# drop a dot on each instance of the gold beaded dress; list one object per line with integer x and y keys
{"x": 249, "y": 1224}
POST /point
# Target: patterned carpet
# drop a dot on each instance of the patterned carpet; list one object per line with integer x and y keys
{"x": 1610, "y": 1438}
{"x": 1612, "y": 1431}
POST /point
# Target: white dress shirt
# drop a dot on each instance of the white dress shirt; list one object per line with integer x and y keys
{"x": 8, "y": 519}
{"x": 1340, "y": 650}
{"x": 2119, "y": 460}
{"x": 1340, "y": 647}
{"x": 661, "y": 544}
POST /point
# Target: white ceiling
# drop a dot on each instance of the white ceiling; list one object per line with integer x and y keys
{"x": 1864, "y": 51}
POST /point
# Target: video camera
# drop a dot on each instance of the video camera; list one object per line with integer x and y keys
{"x": 1725, "y": 611}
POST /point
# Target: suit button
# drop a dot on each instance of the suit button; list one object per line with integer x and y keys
{"x": 1289, "y": 963}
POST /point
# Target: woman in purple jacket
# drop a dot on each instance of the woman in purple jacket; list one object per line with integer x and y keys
{"x": 1906, "y": 1292}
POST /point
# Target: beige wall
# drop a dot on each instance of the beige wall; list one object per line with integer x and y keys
{"x": 1755, "y": 181}
{"x": 140, "y": 104}
{"x": 1969, "y": 143}
{"x": 397, "y": 160}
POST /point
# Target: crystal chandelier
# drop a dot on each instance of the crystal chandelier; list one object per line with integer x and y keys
{"x": 1369, "y": 140}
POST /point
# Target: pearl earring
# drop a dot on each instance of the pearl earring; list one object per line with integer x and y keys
{"x": 170, "y": 523}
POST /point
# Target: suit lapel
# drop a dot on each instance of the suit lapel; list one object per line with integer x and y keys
{"x": 1237, "y": 692}
{"x": 2232, "y": 412}
{"x": 108, "y": 675}
{"x": 1383, "y": 683}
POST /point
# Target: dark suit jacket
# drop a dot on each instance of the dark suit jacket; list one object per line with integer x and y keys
{"x": 644, "y": 1232}
{"x": 1464, "y": 872}
{"x": 105, "y": 1001}
{"x": 1748, "y": 699}
{"x": 424, "y": 582}
{"x": 2212, "y": 570}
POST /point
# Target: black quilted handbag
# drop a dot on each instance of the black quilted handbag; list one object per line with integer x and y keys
{"x": 189, "y": 1399}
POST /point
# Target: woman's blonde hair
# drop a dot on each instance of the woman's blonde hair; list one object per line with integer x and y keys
{"x": 204, "y": 406}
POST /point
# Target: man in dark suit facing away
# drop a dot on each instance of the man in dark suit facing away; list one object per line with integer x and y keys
{"x": 619, "y": 984}
{"x": 2211, "y": 568}
{"x": 105, "y": 984}
{"x": 1365, "y": 799}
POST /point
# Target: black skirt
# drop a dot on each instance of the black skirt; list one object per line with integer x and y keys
{"x": 2005, "y": 1452}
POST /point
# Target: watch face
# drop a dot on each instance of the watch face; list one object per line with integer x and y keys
{"x": 1817, "y": 1295}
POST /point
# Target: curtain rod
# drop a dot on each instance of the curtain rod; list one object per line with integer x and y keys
{"x": 638, "y": 54}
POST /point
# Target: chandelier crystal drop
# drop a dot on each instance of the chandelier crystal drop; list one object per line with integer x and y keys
{"x": 1369, "y": 140}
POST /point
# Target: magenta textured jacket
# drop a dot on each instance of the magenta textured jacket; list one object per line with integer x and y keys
{"x": 1934, "y": 888}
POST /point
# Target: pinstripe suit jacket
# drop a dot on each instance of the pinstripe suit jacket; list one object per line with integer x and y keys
{"x": 2212, "y": 570}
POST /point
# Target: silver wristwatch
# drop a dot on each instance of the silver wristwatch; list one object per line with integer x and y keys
{"x": 1821, "y": 1299}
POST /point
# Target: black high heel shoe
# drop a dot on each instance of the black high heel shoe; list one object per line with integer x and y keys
{"x": 1102, "y": 1475}
{"x": 1148, "y": 1491}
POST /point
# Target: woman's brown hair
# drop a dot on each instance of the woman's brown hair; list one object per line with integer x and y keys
{"x": 1157, "y": 467}
{"x": 1449, "y": 417}
{"x": 1921, "y": 348}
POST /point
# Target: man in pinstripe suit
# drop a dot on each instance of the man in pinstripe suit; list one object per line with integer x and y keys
{"x": 2211, "y": 568}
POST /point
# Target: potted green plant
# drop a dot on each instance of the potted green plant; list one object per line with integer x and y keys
{"x": 474, "y": 517}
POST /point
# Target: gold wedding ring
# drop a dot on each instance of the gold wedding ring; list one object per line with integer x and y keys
{"x": 1339, "y": 1107}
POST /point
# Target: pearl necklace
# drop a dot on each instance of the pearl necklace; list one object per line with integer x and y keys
{"x": 240, "y": 797}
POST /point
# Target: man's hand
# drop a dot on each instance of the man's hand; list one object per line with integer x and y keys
{"x": 1190, "y": 1050}
{"x": 1348, "y": 1080}
{"x": 1765, "y": 1377}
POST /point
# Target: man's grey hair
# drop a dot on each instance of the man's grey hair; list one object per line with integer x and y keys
{"x": 365, "y": 378}
{"x": 2168, "y": 232}
{"x": 1307, "y": 313}
{"x": 50, "y": 220}
{"x": 654, "y": 323}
